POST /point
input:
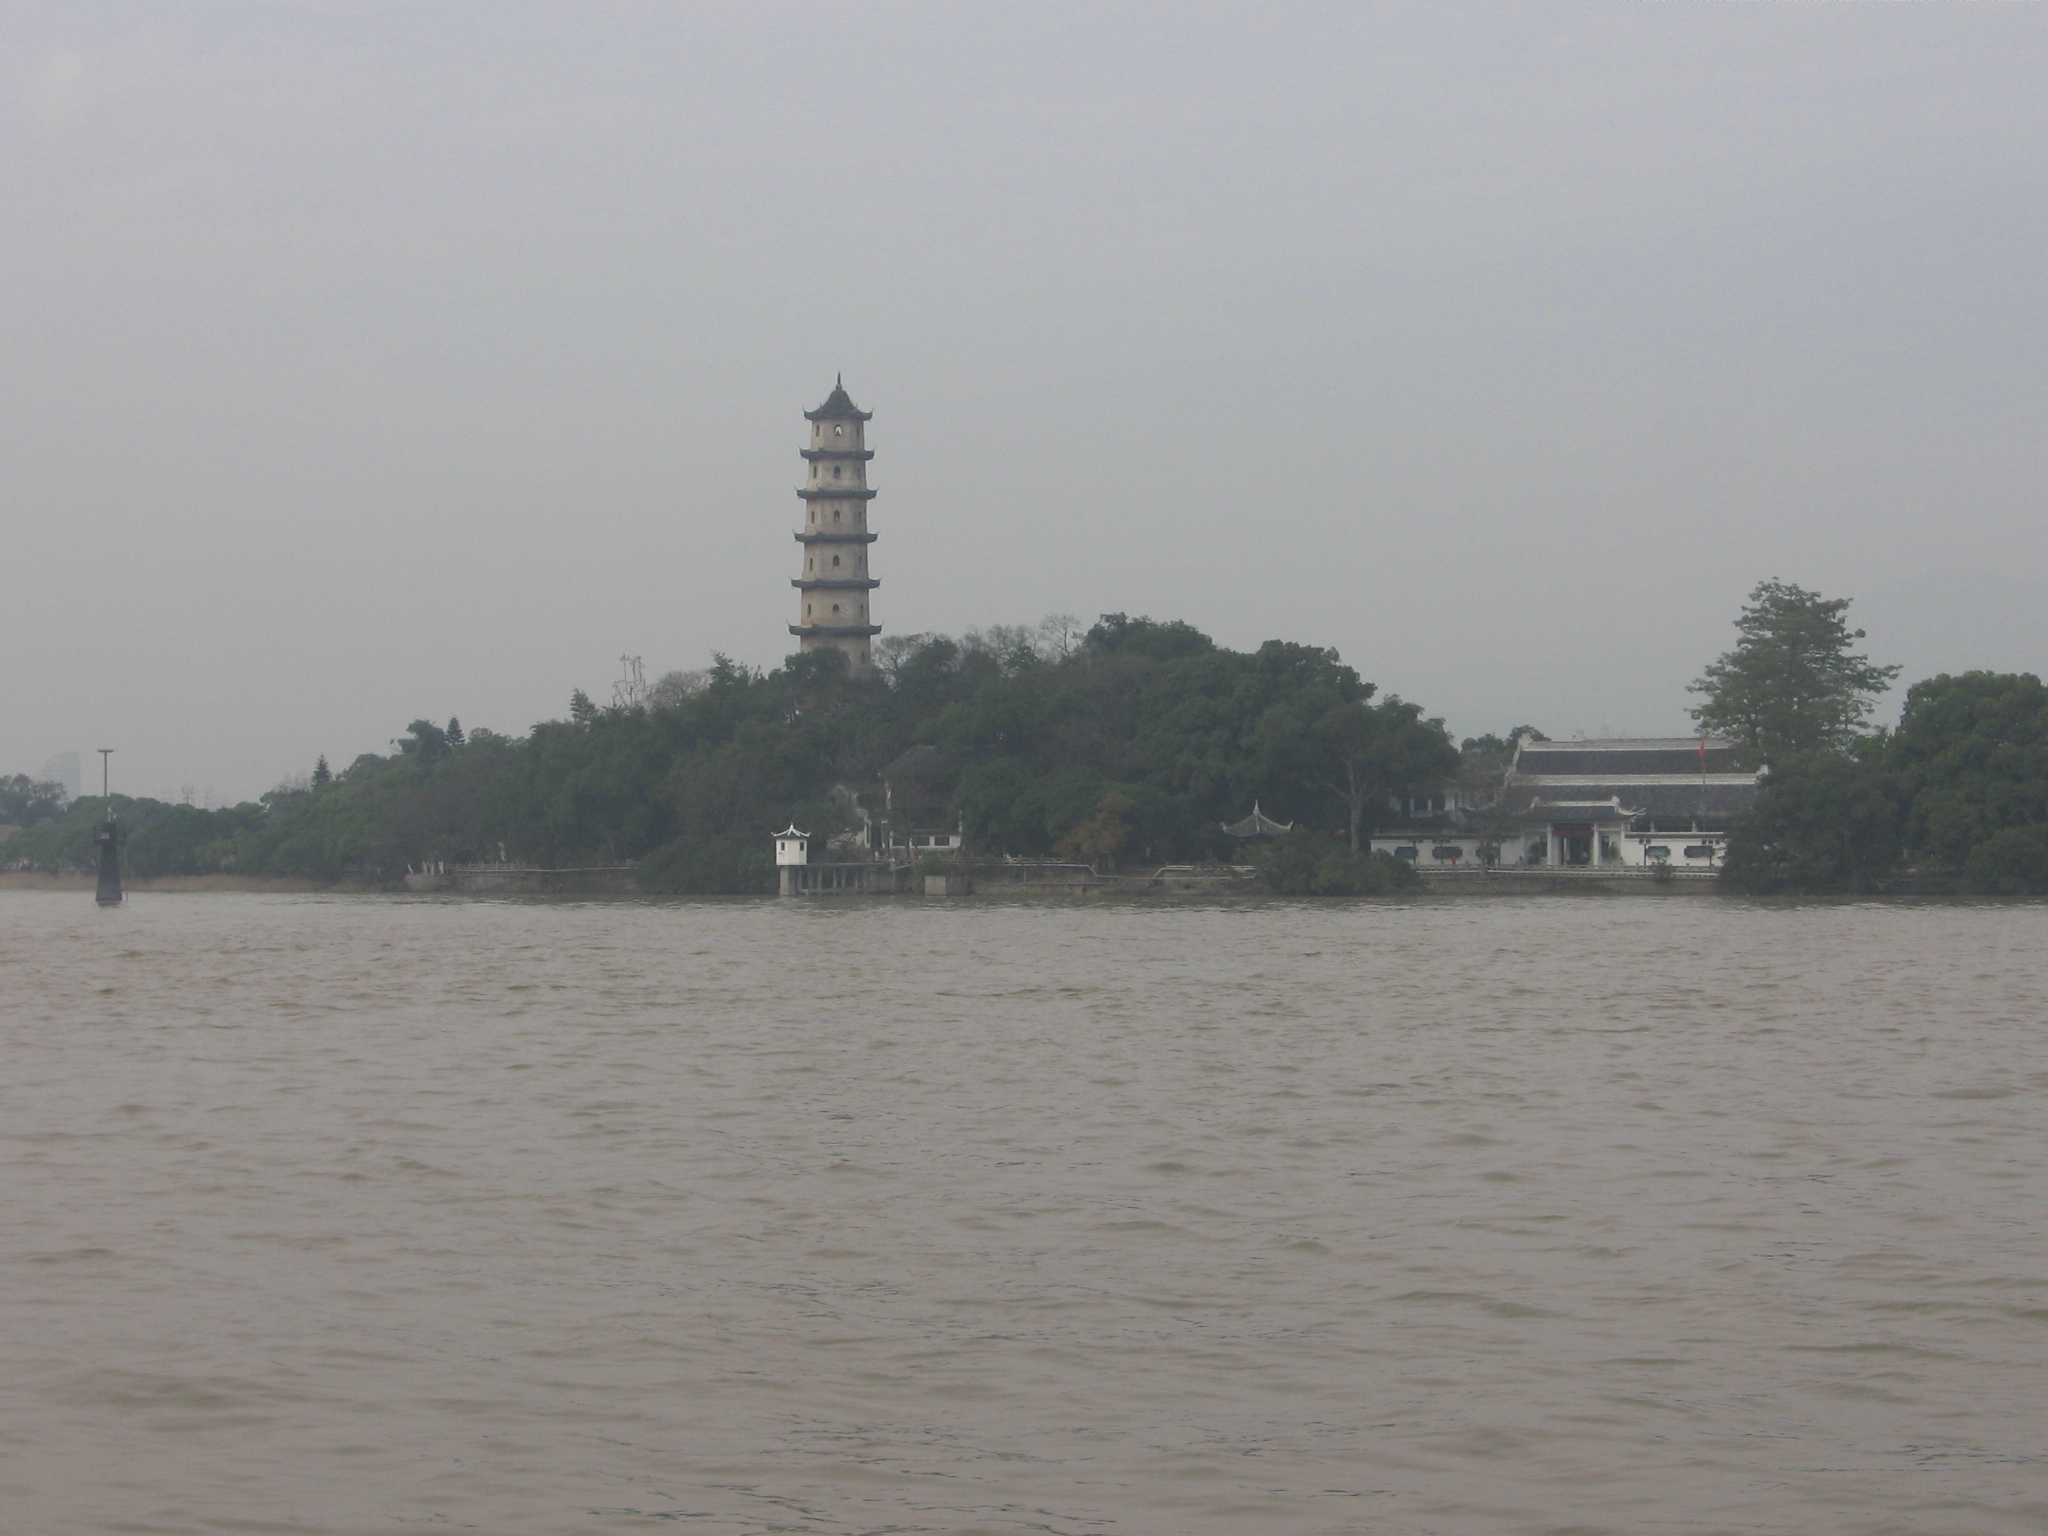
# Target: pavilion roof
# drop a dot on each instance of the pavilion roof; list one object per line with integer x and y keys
{"x": 1258, "y": 824}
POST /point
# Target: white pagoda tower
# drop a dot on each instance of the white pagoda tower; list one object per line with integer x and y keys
{"x": 835, "y": 583}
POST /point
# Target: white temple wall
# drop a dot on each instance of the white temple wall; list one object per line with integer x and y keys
{"x": 1633, "y": 849}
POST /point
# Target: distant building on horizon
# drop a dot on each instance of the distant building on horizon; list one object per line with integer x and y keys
{"x": 1583, "y": 804}
{"x": 63, "y": 768}
{"x": 833, "y": 589}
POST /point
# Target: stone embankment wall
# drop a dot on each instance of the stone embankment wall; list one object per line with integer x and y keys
{"x": 29, "y": 880}
{"x": 1617, "y": 879}
{"x": 517, "y": 880}
{"x": 1007, "y": 878}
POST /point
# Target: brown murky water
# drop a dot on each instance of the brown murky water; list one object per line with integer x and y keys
{"x": 1537, "y": 1215}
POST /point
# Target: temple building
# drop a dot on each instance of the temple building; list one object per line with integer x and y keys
{"x": 1569, "y": 804}
{"x": 833, "y": 589}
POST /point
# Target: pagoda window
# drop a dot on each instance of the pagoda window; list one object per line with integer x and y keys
{"x": 835, "y": 559}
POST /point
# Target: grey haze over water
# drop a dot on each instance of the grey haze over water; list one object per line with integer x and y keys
{"x": 365, "y": 362}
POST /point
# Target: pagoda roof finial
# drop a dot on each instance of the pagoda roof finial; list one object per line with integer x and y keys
{"x": 838, "y": 405}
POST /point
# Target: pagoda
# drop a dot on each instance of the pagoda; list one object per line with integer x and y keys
{"x": 835, "y": 583}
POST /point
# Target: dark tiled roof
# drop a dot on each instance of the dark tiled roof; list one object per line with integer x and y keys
{"x": 1679, "y": 754}
{"x": 838, "y": 406}
{"x": 917, "y": 763}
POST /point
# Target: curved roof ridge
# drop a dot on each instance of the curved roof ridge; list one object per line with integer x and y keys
{"x": 838, "y": 405}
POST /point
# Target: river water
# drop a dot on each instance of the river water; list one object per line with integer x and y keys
{"x": 334, "y": 1214}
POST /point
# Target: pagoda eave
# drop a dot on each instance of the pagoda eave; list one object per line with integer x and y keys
{"x": 811, "y": 495}
{"x": 836, "y": 538}
{"x": 815, "y": 454}
{"x": 849, "y": 631}
{"x": 835, "y": 583}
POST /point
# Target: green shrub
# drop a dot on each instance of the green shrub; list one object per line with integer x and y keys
{"x": 2010, "y": 863}
{"x": 733, "y": 865}
{"x": 1306, "y": 863}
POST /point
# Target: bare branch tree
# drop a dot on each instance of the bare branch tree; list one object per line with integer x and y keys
{"x": 672, "y": 688}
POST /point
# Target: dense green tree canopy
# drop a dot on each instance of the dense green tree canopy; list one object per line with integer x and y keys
{"x": 1136, "y": 741}
{"x": 1792, "y": 685}
{"x": 1959, "y": 790}
{"x": 1972, "y": 753}
{"x": 25, "y": 801}
{"x": 1829, "y": 822}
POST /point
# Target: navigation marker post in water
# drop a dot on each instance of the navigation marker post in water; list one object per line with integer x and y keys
{"x": 109, "y": 893}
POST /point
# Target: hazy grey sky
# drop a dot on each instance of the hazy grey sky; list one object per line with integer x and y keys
{"x": 367, "y": 361}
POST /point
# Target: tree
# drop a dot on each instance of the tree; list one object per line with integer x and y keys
{"x": 1140, "y": 741}
{"x": 424, "y": 742}
{"x": 455, "y": 736}
{"x": 1161, "y": 641}
{"x": 1340, "y": 744}
{"x": 999, "y": 805}
{"x": 1483, "y": 764}
{"x": 1500, "y": 747}
{"x": 25, "y": 801}
{"x": 2010, "y": 863}
{"x": 1059, "y": 636}
{"x": 1791, "y": 685}
{"x": 1959, "y": 789}
{"x": 1371, "y": 752}
{"x": 1308, "y": 863}
{"x": 1973, "y": 752}
{"x": 675, "y": 688}
{"x": 1102, "y": 836}
{"x": 1830, "y": 821}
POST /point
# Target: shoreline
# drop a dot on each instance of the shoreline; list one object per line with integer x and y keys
{"x": 31, "y": 880}
{"x": 1432, "y": 891}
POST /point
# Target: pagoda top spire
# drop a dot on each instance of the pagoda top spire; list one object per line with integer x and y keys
{"x": 838, "y": 405}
